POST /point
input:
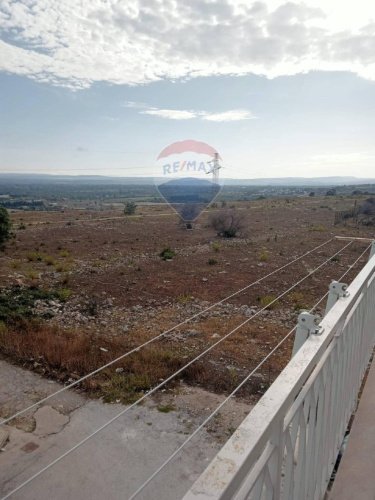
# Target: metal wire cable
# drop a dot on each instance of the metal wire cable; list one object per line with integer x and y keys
{"x": 244, "y": 381}
{"x": 153, "y": 339}
{"x": 171, "y": 377}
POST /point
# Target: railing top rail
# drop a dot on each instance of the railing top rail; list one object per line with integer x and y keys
{"x": 251, "y": 437}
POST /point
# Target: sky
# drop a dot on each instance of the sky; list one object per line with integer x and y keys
{"x": 100, "y": 87}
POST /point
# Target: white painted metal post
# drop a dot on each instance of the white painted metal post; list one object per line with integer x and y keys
{"x": 336, "y": 290}
{"x": 307, "y": 325}
{"x": 309, "y": 404}
{"x": 372, "y": 251}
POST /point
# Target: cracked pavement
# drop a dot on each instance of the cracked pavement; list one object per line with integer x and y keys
{"x": 114, "y": 463}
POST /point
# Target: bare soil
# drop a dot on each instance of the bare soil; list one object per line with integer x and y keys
{"x": 118, "y": 292}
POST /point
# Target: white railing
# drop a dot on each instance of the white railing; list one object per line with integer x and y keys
{"x": 288, "y": 445}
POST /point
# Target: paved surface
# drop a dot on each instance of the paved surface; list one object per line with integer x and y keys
{"x": 114, "y": 463}
{"x": 355, "y": 478}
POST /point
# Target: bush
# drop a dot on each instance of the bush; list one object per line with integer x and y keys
{"x": 227, "y": 223}
{"x": 331, "y": 192}
{"x": 5, "y": 226}
{"x": 17, "y": 304}
{"x": 130, "y": 208}
{"x": 167, "y": 254}
{"x": 368, "y": 207}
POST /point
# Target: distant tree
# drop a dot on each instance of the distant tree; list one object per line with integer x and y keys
{"x": 228, "y": 223}
{"x": 312, "y": 193}
{"x": 331, "y": 192}
{"x": 130, "y": 208}
{"x": 368, "y": 207}
{"x": 5, "y": 226}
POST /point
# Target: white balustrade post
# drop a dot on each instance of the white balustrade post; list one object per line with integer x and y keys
{"x": 372, "y": 251}
{"x": 336, "y": 290}
{"x": 307, "y": 324}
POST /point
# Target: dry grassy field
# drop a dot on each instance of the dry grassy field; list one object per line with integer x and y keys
{"x": 81, "y": 287}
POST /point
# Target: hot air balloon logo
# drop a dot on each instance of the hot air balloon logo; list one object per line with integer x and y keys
{"x": 189, "y": 177}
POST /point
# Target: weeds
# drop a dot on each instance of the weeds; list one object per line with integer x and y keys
{"x": 267, "y": 301}
{"x": 318, "y": 228}
{"x": 49, "y": 260}
{"x": 184, "y": 298}
{"x": 216, "y": 246}
{"x": 167, "y": 408}
{"x": 32, "y": 275}
{"x": 63, "y": 294}
{"x": 64, "y": 253}
{"x": 125, "y": 388}
{"x": 298, "y": 301}
{"x": 264, "y": 256}
{"x": 34, "y": 257}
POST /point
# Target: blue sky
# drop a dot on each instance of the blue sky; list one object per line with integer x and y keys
{"x": 281, "y": 112}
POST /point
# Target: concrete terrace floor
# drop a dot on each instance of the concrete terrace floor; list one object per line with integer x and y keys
{"x": 114, "y": 463}
{"x": 355, "y": 479}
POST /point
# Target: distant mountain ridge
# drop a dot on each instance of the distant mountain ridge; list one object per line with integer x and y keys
{"x": 7, "y": 178}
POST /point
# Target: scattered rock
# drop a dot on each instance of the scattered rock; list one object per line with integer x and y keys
{"x": 192, "y": 333}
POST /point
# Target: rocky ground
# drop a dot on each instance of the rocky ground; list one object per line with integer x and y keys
{"x": 103, "y": 289}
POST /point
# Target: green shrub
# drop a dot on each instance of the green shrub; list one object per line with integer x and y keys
{"x": 5, "y": 226}
{"x": 130, "y": 208}
{"x": 17, "y": 303}
{"x": 167, "y": 253}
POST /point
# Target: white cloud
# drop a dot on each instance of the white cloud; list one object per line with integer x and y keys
{"x": 172, "y": 114}
{"x": 229, "y": 116}
{"x": 183, "y": 114}
{"x": 75, "y": 43}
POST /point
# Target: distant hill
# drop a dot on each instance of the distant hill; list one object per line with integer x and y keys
{"x": 103, "y": 180}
